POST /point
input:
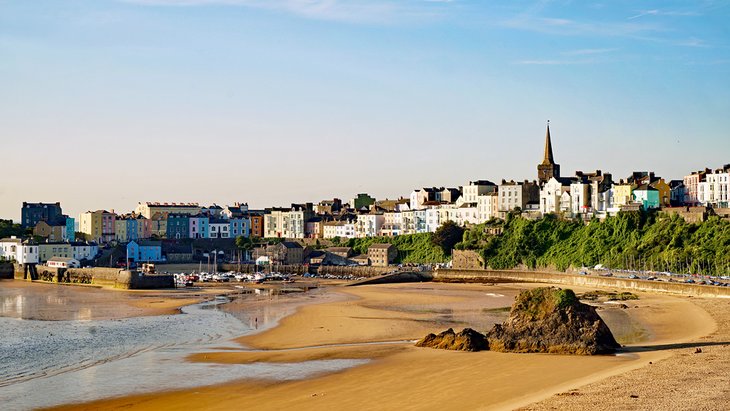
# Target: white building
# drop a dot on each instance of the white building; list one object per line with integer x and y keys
{"x": 296, "y": 221}
{"x": 487, "y": 207}
{"x": 414, "y": 221}
{"x": 433, "y": 219}
{"x": 274, "y": 223}
{"x": 84, "y": 251}
{"x": 420, "y": 196}
{"x": 368, "y": 225}
{"x": 423, "y": 197}
{"x": 15, "y": 249}
{"x": 714, "y": 191}
{"x": 477, "y": 188}
{"x": 580, "y": 194}
{"x": 287, "y": 222}
{"x": 447, "y": 212}
{"x": 342, "y": 229}
{"x": 565, "y": 202}
{"x": 419, "y": 221}
{"x": 513, "y": 194}
{"x": 219, "y": 229}
{"x": 236, "y": 210}
{"x": 392, "y": 223}
{"x": 466, "y": 215}
{"x": 550, "y": 195}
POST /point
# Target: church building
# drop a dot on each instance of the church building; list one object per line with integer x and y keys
{"x": 548, "y": 169}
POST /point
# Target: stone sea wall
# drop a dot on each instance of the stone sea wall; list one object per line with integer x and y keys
{"x": 251, "y": 268}
{"x": 364, "y": 271}
{"x": 360, "y": 271}
{"x": 109, "y": 277}
{"x": 135, "y": 280}
{"x": 494, "y": 276}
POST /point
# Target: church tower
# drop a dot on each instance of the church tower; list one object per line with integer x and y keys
{"x": 548, "y": 168}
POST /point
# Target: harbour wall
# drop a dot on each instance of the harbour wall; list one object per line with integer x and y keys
{"x": 363, "y": 271}
{"x": 7, "y": 270}
{"x": 397, "y": 277}
{"x": 496, "y": 276}
{"x": 359, "y": 271}
{"x": 101, "y": 276}
{"x": 140, "y": 281}
{"x": 251, "y": 268}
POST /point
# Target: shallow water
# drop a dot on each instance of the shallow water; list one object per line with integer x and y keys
{"x": 54, "y": 302}
{"x": 45, "y": 363}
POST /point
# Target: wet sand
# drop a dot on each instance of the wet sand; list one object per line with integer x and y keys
{"x": 400, "y": 376}
{"x": 53, "y": 302}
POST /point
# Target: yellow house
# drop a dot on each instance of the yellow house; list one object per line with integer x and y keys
{"x": 120, "y": 230}
{"x": 622, "y": 194}
{"x": 46, "y": 251}
{"x": 150, "y": 209}
{"x": 97, "y": 225}
{"x": 665, "y": 192}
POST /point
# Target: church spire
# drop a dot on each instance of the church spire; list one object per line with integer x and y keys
{"x": 548, "y": 147}
{"x": 548, "y": 169}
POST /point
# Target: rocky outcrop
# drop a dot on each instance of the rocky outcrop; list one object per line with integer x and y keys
{"x": 542, "y": 320}
{"x": 466, "y": 340}
{"x": 552, "y": 320}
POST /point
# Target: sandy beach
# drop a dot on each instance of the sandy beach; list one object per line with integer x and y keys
{"x": 684, "y": 379}
{"x": 379, "y": 323}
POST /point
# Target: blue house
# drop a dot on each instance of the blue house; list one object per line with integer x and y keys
{"x": 648, "y": 196}
{"x": 132, "y": 231}
{"x": 240, "y": 226}
{"x": 70, "y": 229}
{"x": 144, "y": 251}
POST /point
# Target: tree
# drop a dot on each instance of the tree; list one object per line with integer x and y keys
{"x": 7, "y": 229}
{"x": 447, "y": 236}
{"x": 244, "y": 243}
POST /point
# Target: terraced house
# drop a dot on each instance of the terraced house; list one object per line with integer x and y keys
{"x": 178, "y": 226}
{"x": 98, "y": 226}
{"x": 46, "y": 251}
{"x": 150, "y": 209}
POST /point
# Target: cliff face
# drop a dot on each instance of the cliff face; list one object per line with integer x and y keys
{"x": 542, "y": 320}
{"x": 552, "y": 320}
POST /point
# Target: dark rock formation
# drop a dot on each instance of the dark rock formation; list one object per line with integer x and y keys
{"x": 552, "y": 320}
{"x": 466, "y": 340}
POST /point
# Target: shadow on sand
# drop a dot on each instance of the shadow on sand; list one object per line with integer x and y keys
{"x": 662, "y": 347}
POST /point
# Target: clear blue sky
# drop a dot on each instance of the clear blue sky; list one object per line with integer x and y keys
{"x": 105, "y": 103}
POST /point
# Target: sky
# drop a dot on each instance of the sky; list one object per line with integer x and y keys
{"x": 106, "y": 103}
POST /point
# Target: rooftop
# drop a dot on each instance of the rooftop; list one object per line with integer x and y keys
{"x": 381, "y": 245}
{"x": 62, "y": 259}
{"x": 156, "y": 204}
